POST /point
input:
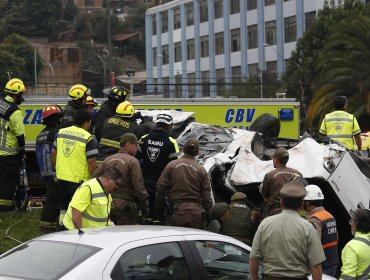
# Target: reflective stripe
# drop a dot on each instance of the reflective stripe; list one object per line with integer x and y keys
{"x": 91, "y": 218}
{"x": 92, "y": 152}
{"x": 110, "y": 143}
{"x": 365, "y": 275}
{"x": 334, "y": 243}
{"x": 71, "y": 137}
{"x": 338, "y": 120}
{"x": 341, "y": 136}
{"x": 6, "y": 202}
{"x": 3, "y": 136}
{"x": 95, "y": 195}
{"x": 346, "y": 277}
{"x": 10, "y": 150}
{"x": 366, "y": 241}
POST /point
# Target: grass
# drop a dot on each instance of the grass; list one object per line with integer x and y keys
{"x": 21, "y": 226}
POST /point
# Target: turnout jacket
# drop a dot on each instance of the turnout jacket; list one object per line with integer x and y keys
{"x": 44, "y": 146}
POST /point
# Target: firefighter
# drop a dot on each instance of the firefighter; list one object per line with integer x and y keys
{"x": 91, "y": 203}
{"x": 107, "y": 110}
{"x": 77, "y": 101}
{"x": 285, "y": 245}
{"x": 235, "y": 219}
{"x": 12, "y": 144}
{"x": 274, "y": 180}
{"x": 131, "y": 196}
{"x": 91, "y": 103}
{"x": 184, "y": 186}
{"x": 157, "y": 150}
{"x": 114, "y": 127}
{"x": 73, "y": 157}
{"x": 356, "y": 253}
{"x": 325, "y": 226}
{"x": 44, "y": 144}
{"x": 342, "y": 126}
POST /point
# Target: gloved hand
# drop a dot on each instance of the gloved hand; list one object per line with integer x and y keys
{"x": 147, "y": 119}
{"x": 138, "y": 116}
{"x": 359, "y": 153}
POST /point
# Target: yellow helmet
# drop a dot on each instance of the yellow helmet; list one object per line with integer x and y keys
{"x": 125, "y": 109}
{"x": 78, "y": 91}
{"x": 91, "y": 100}
{"x": 15, "y": 86}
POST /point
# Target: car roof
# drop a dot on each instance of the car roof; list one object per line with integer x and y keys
{"x": 118, "y": 235}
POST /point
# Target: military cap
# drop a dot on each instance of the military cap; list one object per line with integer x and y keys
{"x": 238, "y": 196}
{"x": 218, "y": 209}
{"x": 191, "y": 147}
{"x": 281, "y": 154}
{"x": 130, "y": 138}
{"x": 293, "y": 190}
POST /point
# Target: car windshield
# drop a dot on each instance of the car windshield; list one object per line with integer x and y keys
{"x": 44, "y": 260}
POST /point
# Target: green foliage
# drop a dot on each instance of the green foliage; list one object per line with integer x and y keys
{"x": 70, "y": 11}
{"x": 17, "y": 57}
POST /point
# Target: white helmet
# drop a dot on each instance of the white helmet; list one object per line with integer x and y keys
{"x": 313, "y": 193}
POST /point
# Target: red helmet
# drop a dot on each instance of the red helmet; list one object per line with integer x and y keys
{"x": 51, "y": 110}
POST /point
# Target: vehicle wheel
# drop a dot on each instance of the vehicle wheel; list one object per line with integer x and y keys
{"x": 266, "y": 124}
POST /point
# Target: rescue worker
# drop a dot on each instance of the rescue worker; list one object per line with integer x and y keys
{"x": 325, "y": 226}
{"x": 342, "y": 126}
{"x": 107, "y": 110}
{"x": 274, "y": 180}
{"x": 356, "y": 253}
{"x": 73, "y": 157}
{"x": 157, "y": 150}
{"x": 235, "y": 219}
{"x": 44, "y": 145}
{"x": 131, "y": 196}
{"x": 287, "y": 245}
{"x": 12, "y": 144}
{"x": 114, "y": 127}
{"x": 184, "y": 188}
{"x": 91, "y": 103}
{"x": 91, "y": 203}
{"x": 77, "y": 100}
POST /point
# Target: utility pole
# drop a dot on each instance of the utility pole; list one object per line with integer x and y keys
{"x": 109, "y": 33}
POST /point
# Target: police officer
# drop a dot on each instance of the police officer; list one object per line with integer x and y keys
{"x": 157, "y": 150}
{"x": 12, "y": 141}
{"x": 77, "y": 101}
{"x": 116, "y": 95}
{"x": 131, "y": 196}
{"x": 235, "y": 219}
{"x": 44, "y": 144}
{"x": 287, "y": 245}
{"x": 73, "y": 155}
{"x": 114, "y": 127}
{"x": 91, "y": 203}
{"x": 274, "y": 180}
{"x": 356, "y": 253}
{"x": 186, "y": 184}
{"x": 342, "y": 126}
{"x": 325, "y": 226}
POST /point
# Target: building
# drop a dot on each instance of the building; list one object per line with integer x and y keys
{"x": 196, "y": 48}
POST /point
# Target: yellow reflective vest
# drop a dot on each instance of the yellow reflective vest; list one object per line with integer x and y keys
{"x": 340, "y": 126}
{"x": 71, "y": 162}
{"x": 356, "y": 258}
{"x": 94, "y": 204}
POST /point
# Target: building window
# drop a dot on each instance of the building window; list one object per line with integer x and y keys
{"x": 218, "y": 8}
{"x": 155, "y": 56}
{"x": 164, "y": 21}
{"x": 189, "y": 14}
{"x": 89, "y": 3}
{"x": 252, "y": 36}
{"x": 235, "y": 40}
{"x": 270, "y": 36}
{"x": 251, "y": 5}
{"x": 269, "y": 2}
{"x": 176, "y": 18}
{"x": 177, "y": 51}
{"x": 154, "y": 24}
{"x": 308, "y": 19}
{"x": 56, "y": 55}
{"x": 253, "y": 70}
{"x": 234, "y": 6}
{"x": 190, "y": 49}
{"x": 205, "y": 84}
{"x": 191, "y": 85}
{"x": 204, "y": 46}
{"x": 219, "y": 43}
{"x": 165, "y": 55}
{"x": 290, "y": 29}
{"x": 220, "y": 81}
{"x": 236, "y": 73}
{"x": 271, "y": 69}
{"x": 203, "y": 11}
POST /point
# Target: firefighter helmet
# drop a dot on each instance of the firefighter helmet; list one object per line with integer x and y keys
{"x": 14, "y": 86}
{"x": 78, "y": 91}
{"x": 125, "y": 109}
{"x": 313, "y": 193}
{"x": 91, "y": 100}
{"x": 51, "y": 110}
{"x": 118, "y": 93}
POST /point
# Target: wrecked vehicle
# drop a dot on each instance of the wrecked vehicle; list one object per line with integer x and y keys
{"x": 237, "y": 160}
